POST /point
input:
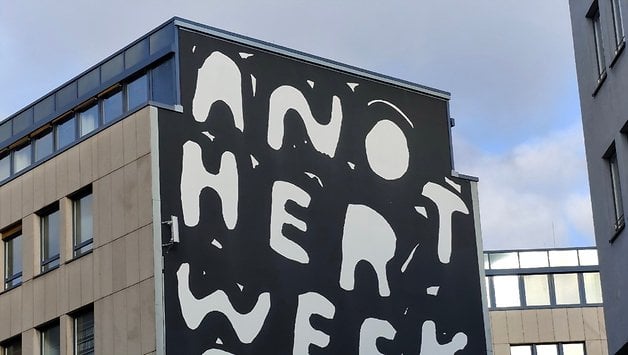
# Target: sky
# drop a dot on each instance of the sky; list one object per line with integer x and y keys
{"x": 508, "y": 65}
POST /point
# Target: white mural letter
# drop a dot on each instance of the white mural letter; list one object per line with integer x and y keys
{"x": 367, "y": 236}
{"x": 430, "y": 345}
{"x": 387, "y": 150}
{"x": 371, "y": 329}
{"x": 245, "y": 325}
{"x": 310, "y": 303}
{"x": 283, "y": 192}
{"x": 194, "y": 178}
{"x": 219, "y": 79}
{"x": 447, "y": 203}
{"x": 323, "y": 137}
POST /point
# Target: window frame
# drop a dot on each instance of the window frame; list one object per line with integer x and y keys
{"x": 618, "y": 222}
{"x": 559, "y": 347}
{"x": 13, "y": 234}
{"x": 76, "y": 200}
{"x": 44, "y": 216}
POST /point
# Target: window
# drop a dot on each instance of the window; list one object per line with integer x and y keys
{"x": 162, "y": 83}
{"x": 50, "y": 239}
{"x": 88, "y": 120}
{"x": 13, "y": 260}
{"x": 548, "y": 349}
{"x": 112, "y": 107}
{"x": 599, "y": 44}
{"x": 616, "y": 192}
{"x": 66, "y": 133}
{"x": 84, "y": 333}
{"x": 506, "y": 291}
{"x": 50, "y": 340}
{"x": 137, "y": 92}
{"x": 44, "y": 146}
{"x": 21, "y": 158}
{"x": 82, "y": 223}
{"x": 5, "y": 166}
{"x": 592, "y": 287}
{"x": 12, "y": 346}
{"x": 567, "y": 290}
{"x": 618, "y": 24}
{"x": 536, "y": 290}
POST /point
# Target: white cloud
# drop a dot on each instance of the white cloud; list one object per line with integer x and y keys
{"x": 532, "y": 196}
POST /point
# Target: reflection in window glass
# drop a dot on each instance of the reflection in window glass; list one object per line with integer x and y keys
{"x": 588, "y": 257}
{"x": 573, "y": 349}
{"x": 592, "y": 287}
{"x": 22, "y": 121}
{"x": 136, "y": 54}
{"x": 5, "y": 166}
{"x": 137, "y": 92}
{"x": 112, "y": 107}
{"x": 88, "y": 120}
{"x": 66, "y": 95}
{"x": 66, "y": 133}
{"x": 547, "y": 349}
{"x": 43, "y": 146}
{"x": 504, "y": 260}
{"x": 162, "y": 83}
{"x": 506, "y": 291}
{"x": 21, "y": 158}
{"x": 563, "y": 258}
{"x": 521, "y": 350}
{"x": 5, "y": 131}
{"x": 161, "y": 39}
{"x": 566, "y": 288}
{"x": 536, "y": 290}
{"x": 89, "y": 82}
{"x": 529, "y": 259}
{"x": 44, "y": 108}
{"x": 112, "y": 68}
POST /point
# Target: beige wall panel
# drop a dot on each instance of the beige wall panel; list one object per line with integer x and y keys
{"x": 85, "y": 163}
{"x": 27, "y": 305}
{"x": 147, "y": 315}
{"x": 130, "y": 139}
{"x": 501, "y": 349}
{"x": 5, "y": 206}
{"x": 119, "y": 264}
{"x": 30, "y": 340}
{"x": 66, "y": 330}
{"x": 74, "y": 284}
{"x": 594, "y": 347}
{"x": 130, "y": 197}
{"x": 142, "y": 119}
{"x": 499, "y": 327}
{"x": 106, "y": 269}
{"x": 132, "y": 258}
{"x": 103, "y": 327}
{"x": 144, "y": 191}
{"x": 515, "y": 326}
{"x": 117, "y": 146}
{"x": 545, "y": 323}
{"x": 576, "y": 324}
{"x": 146, "y": 266}
{"x": 27, "y": 193}
{"x": 51, "y": 284}
{"x": 15, "y": 303}
{"x": 591, "y": 323}
{"x": 63, "y": 302}
{"x": 30, "y": 247}
{"x": 133, "y": 320}
{"x": 117, "y": 203}
{"x": 119, "y": 323}
{"x": 74, "y": 169}
{"x": 102, "y": 211}
{"x": 600, "y": 317}
{"x": 561, "y": 324}
{"x": 39, "y": 183}
{"x": 38, "y": 303}
{"x": 87, "y": 278}
{"x": 5, "y": 311}
{"x": 50, "y": 178}
{"x": 15, "y": 187}
{"x": 530, "y": 326}
{"x": 103, "y": 152}
{"x": 62, "y": 175}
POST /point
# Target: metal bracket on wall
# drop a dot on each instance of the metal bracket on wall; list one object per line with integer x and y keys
{"x": 174, "y": 232}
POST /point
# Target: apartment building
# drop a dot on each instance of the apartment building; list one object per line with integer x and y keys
{"x": 599, "y": 41}
{"x": 545, "y": 302}
{"x": 199, "y": 192}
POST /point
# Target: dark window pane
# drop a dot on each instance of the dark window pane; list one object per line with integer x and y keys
{"x": 83, "y": 224}
{"x": 13, "y": 347}
{"x": 44, "y": 108}
{"x": 5, "y": 166}
{"x": 66, "y": 96}
{"x": 50, "y": 240}
{"x": 137, "y": 92}
{"x": 66, "y": 133}
{"x": 163, "y": 87}
{"x": 89, "y": 82}
{"x": 43, "y": 146}
{"x": 23, "y": 121}
{"x": 5, "y": 131}
{"x": 21, "y": 158}
{"x": 161, "y": 39}
{"x": 88, "y": 120}
{"x": 13, "y": 261}
{"x": 112, "y": 68}
{"x": 112, "y": 107}
{"x": 50, "y": 342}
{"x": 84, "y": 334}
{"x": 136, "y": 54}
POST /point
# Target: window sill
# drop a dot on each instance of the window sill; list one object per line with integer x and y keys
{"x": 10, "y": 288}
{"x": 618, "y": 51}
{"x": 42, "y": 273}
{"x": 600, "y": 81}
{"x": 79, "y": 256}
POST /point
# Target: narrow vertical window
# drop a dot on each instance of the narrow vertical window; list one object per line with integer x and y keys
{"x": 50, "y": 238}
{"x": 567, "y": 290}
{"x": 5, "y": 165}
{"x": 13, "y": 260}
{"x": 599, "y": 44}
{"x": 66, "y": 132}
{"x": 137, "y": 92}
{"x": 88, "y": 120}
{"x": 618, "y": 204}
{"x": 82, "y": 223}
{"x": 112, "y": 107}
{"x": 21, "y": 158}
{"x": 49, "y": 342}
{"x": 84, "y": 333}
{"x": 44, "y": 146}
{"x": 12, "y": 346}
{"x": 618, "y": 22}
